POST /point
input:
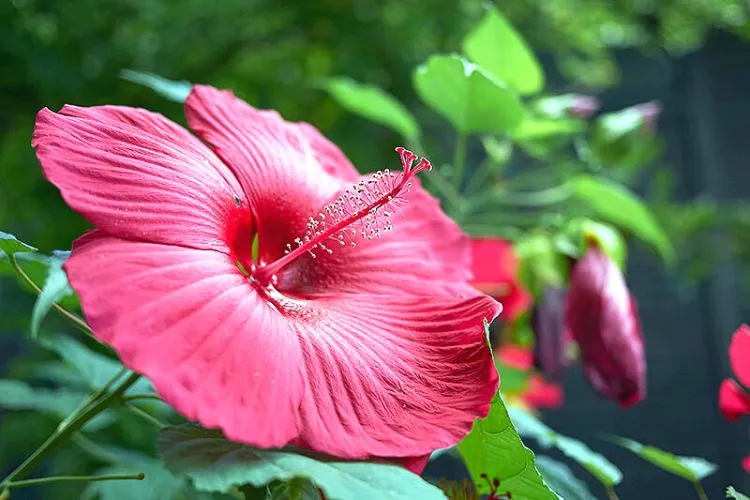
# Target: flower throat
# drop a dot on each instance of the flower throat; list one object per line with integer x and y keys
{"x": 363, "y": 210}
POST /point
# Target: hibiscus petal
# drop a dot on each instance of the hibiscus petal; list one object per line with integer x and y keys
{"x": 190, "y": 322}
{"x": 425, "y": 254}
{"x": 739, "y": 354}
{"x": 138, "y": 176}
{"x": 394, "y": 377}
{"x": 734, "y": 402}
{"x": 286, "y": 170}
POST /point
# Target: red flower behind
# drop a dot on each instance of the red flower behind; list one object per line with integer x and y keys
{"x": 347, "y": 336}
{"x": 602, "y": 316}
{"x": 734, "y": 401}
{"x": 495, "y": 268}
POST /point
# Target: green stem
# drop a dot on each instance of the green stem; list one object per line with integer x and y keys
{"x": 611, "y": 492}
{"x": 145, "y": 415}
{"x": 60, "y": 479}
{"x": 459, "y": 159}
{"x": 77, "y": 320}
{"x": 134, "y": 397}
{"x": 64, "y": 432}
{"x": 699, "y": 489}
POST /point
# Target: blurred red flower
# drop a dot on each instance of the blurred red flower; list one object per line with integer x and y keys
{"x": 734, "y": 401}
{"x": 495, "y": 268}
{"x": 601, "y": 314}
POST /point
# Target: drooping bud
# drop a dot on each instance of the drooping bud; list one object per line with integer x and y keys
{"x": 649, "y": 112}
{"x": 548, "y": 323}
{"x": 602, "y": 316}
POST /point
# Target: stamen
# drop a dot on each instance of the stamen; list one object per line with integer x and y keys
{"x": 365, "y": 209}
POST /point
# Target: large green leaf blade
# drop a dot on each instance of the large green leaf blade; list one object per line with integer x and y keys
{"x": 693, "y": 469}
{"x": 561, "y": 479}
{"x": 498, "y": 48}
{"x": 374, "y": 104}
{"x": 467, "y": 96}
{"x": 176, "y": 91}
{"x": 601, "y": 468}
{"x": 216, "y": 464}
{"x": 493, "y": 447}
{"x": 618, "y": 205}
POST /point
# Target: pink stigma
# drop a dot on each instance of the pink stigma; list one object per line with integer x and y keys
{"x": 365, "y": 209}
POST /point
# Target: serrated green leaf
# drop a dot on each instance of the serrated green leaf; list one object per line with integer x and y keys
{"x": 374, "y": 104}
{"x": 561, "y": 479}
{"x": 95, "y": 368}
{"x": 498, "y": 48}
{"x": 529, "y": 426}
{"x": 55, "y": 289}
{"x": 214, "y": 463}
{"x": 176, "y": 91}
{"x": 467, "y": 96}
{"x": 733, "y": 493}
{"x": 10, "y": 245}
{"x": 17, "y": 395}
{"x": 493, "y": 447}
{"x": 618, "y": 205}
{"x": 693, "y": 469}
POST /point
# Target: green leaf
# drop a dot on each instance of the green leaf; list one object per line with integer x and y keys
{"x": 374, "y": 104}
{"x": 693, "y": 469}
{"x": 512, "y": 380}
{"x": 732, "y": 493}
{"x": 604, "y": 470}
{"x": 467, "y": 96}
{"x": 498, "y": 48}
{"x": 55, "y": 289}
{"x": 176, "y": 91}
{"x": 17, "y": 395}
{"x": 97, "y": 369}
{"x": 561, "y": 479}
{"x": 534, "y": 128}
{"x": 216, "y": 464}
{"x": 298, "y": 488}
{"x": 493, "y": 447}
{"x": 10, "y": 245}
{"x": 622, "y": 207}
{"x": 573, "y": 240}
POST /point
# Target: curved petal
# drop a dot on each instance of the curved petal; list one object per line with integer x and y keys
{"x": 739, "y": 354}
{"x": 190, "y": 322}
{"x": 138, "y": 176}
{"x": 425, "y": 254}
{"x": 394, "y": 377}
{"x": 286, "y": 170}
{"x": 734, "y": 402}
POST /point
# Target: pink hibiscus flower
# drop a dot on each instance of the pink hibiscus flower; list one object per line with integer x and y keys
{"x": 351, "y": 335}
{"x": 495, "y": 268}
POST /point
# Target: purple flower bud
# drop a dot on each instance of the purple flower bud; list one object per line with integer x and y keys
{"x": 650, "y": 112}
{"x": 547, "y": 321}
{"x": 583, "y": 106}
{"x": 603, "y": 319}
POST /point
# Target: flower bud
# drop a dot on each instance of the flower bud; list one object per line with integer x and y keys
{"x": 548, "y": 323}
{"x": 603, "y": 318}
